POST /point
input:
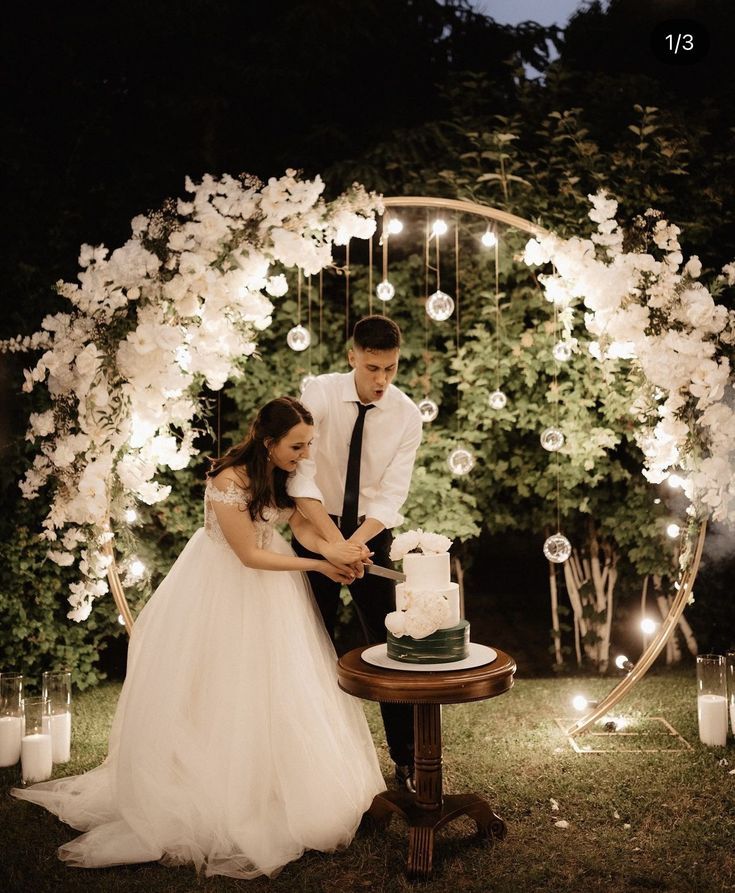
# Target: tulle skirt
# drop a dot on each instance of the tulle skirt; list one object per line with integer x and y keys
{"x": 232, "y": 746}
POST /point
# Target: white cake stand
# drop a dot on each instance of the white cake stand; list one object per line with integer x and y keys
{"x": 377, "y": 655}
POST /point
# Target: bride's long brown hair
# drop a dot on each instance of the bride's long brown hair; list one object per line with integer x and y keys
{"x": 274, "y": 421}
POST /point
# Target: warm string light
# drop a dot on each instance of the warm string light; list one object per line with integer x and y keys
{"x": 456, "y": 315}
{"x": 427, "y": 407}
{"x": 298, "y": 338}
{"x": 461, "y": 461}
{"x": 497, "y": 400}
{"x": 385, "y": 290}
{"x": 439, "y": 305}
{"x": 557, "y": 547}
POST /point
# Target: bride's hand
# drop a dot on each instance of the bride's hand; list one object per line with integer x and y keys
{"x": 342, "y": 574}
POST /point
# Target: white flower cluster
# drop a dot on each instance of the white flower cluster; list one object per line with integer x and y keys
{"x": 179, "y": 305}
{"x": 424, "y": 614}
{"x": 419, "y": 541}
{"x": 649, "y": 308}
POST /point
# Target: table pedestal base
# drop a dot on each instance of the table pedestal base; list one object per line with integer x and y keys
{"x": 423, "y": 823}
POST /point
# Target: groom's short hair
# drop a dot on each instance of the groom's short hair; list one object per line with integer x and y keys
{"x": 376, "y": 333}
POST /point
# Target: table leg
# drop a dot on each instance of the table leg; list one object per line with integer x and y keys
{"x": 427, "y": 725}
{"x": 428, "y": 810}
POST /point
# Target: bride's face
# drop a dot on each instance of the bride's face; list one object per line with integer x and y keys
{"x": 292, "y": 447}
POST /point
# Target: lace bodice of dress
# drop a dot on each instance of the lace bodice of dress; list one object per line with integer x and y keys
{"x": 234, "y": 495}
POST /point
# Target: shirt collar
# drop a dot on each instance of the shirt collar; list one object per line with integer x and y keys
{"x": 349, "y": 391}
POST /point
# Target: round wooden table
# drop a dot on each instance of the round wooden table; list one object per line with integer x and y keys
{"x": 427, "y": 810}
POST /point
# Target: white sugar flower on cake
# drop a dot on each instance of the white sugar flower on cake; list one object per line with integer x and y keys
{"x": 419, "y": 541}
{"x": 424, "y": 614}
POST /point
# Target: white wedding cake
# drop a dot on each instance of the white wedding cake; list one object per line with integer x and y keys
{"x": 426, "y": 625}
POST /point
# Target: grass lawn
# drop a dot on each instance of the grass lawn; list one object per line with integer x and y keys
{"x": 637, "y": 821}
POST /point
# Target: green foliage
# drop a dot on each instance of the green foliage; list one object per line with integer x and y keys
{"x": 35, "y": 634}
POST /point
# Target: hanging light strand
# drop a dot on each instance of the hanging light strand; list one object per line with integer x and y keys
{"x": 370, "y": 276}
{"x": 556, "y": 423}
{"x": 347, "y": 292}
{"x": 457, "y": 331}
{"x": 497, "y": 319}
{"x": 308, "y": 315}
{"x": 321, "y": 318}
{"x": 426, "y": 315}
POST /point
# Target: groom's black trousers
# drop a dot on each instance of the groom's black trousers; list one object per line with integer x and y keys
{"x": 373, "y": 597}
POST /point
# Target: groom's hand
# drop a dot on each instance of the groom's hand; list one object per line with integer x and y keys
{"x": 347, "y": 554}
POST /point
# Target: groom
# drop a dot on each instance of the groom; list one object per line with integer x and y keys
{"x": 367, "y": 432}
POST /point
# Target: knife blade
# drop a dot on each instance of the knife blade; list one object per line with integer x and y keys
{"x": 380, "y": 571}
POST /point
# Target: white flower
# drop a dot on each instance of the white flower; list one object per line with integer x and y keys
{"x": 63, "y": 559}
{"x": 729, "y": 272}
{"x": 434, "y": 543}
{"x": 404, "y": 543}
{"x": 418, "y": 626}
{"x": 42, "y": 423}
{"x": 395, "y": 623}
{"x": 277, "y": 286}
{"x": 693, "y": 267}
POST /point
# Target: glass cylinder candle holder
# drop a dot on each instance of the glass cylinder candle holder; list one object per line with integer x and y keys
{"x": 712, "y": 699}
{"x": 57, "y": 688}
{"x": 731, "y": 688}
{"x": 11, "y": 713}
{"x": 36, "y": 754}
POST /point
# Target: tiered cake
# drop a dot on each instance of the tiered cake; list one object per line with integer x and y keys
{"x": 426, "y": 627}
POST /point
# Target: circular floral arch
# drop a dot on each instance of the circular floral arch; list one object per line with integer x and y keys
{"x": 181, "y": 303}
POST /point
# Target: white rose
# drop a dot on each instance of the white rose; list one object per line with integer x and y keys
{"x": 277, "y": 286}
{"x": 395, "y": 623}
{"x": 434, "y": 543}
{"x": 404, "y": 543}
{"x": 418, "y": 626}
{"x": 42, "y": 423}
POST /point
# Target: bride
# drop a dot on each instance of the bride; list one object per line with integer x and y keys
{"x": 232, "y": 747}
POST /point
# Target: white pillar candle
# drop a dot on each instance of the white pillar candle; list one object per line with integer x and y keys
{"x": 712, "y": 714}
{"x": 61, "y": 736}
{"x": 732, "y": 717}
{"x": 36, "y": 757}
{"x": 9, "y": 740}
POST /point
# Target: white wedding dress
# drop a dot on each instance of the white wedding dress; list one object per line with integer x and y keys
{"x": 232, "y": 747}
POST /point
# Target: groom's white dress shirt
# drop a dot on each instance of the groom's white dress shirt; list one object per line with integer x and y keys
{"x": 391, "y": 437}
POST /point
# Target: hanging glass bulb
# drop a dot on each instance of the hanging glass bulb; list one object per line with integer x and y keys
{"x": 552, "y": 439}
{"x": 489, "y": 239}
{"x": 428, "y": 409}
{"x": 385, "y": 290}
{"x": 306, "y": 381}
{"x": 439, "y": 227}
{"x": 562, "y": 351}
{"x": 298, "y": 338}
{"x": 461, "y": 461}
{"x": 439, "y": 306}
{"x": 497, "y": 400}
{"x": 557, "y": 548}
{"x": 395, "y": 226}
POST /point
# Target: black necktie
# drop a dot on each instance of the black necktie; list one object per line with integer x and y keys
{"x": 348, "y": 523}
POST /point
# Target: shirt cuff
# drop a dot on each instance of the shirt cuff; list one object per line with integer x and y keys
{"x": 302, "y": 488}
{"x": 386, "y": 514}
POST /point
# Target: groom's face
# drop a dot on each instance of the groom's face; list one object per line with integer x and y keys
{"x": 374, "y": 371}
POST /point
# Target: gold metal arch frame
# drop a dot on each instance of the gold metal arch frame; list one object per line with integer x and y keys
{"x": 686, "y": 584}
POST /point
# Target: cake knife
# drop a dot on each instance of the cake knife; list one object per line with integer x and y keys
{"x": 380, "y": 571}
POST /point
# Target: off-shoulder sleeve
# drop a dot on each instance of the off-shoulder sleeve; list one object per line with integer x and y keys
{"x": 228, "y": 494}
